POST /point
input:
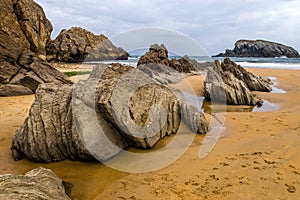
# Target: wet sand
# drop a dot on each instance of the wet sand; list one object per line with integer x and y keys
{"x": 258, "y": 156}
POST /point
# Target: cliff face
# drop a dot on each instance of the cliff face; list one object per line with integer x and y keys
{"x": 23, "y": 26}
{"x": 260, "y": 48}
{"x": 78, "y": 44}
{"x": 24, "y": 34}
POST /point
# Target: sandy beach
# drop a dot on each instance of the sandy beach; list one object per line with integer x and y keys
{"x": 258, "y": 156}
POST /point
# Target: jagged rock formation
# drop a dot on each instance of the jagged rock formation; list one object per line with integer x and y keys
{"x": 254, "y": 83}
{"x": 158, "y": 54}
{"x": 155, "y": 63}
{"x": 38, "y": 183}
{"x": 117, "y": 107}
{"x": 26, "y": 74}
{"x": 78, "y": 44}
{"x": 260, "y": 48}
{"x": 229, "y": 83}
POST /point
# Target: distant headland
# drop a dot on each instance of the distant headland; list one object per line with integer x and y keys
{"x": 260, "y": 48}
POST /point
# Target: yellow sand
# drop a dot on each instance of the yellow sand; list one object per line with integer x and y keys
{"x": 258, "y": 156}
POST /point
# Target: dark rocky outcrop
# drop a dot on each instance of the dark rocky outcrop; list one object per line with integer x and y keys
{"x": 38, "y": 183}
{"x": 158, "y": 54}
{"x": 78, "y": 44}
{"x": 260, "y": 48}
{"x": 229, "y": 83}
{"x": 117, "y": 107}
{"x": 26, "y": 74}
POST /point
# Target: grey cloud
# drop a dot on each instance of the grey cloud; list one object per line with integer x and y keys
{"x": 214, "y": 24}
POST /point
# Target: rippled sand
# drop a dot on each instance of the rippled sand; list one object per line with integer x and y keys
{"x": 258, "y": 156}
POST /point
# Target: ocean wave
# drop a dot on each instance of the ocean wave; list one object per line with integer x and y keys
{"x": 270, "y": 65}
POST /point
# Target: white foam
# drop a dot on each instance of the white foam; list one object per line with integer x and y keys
{"x": 295, "y": 66}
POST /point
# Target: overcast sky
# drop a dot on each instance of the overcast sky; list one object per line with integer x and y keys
{"x": 216, "y": 25}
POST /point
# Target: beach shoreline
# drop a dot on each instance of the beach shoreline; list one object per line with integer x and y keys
{"x": 257, "y": 156}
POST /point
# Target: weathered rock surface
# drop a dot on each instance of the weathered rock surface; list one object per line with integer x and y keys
{"x": 26, "y": 74}
{"x": 117, "y": 107}
{"x": 260, "y": 48}
{"x": 161, "y": 73}
{"x": 129, "y": 99}
{"x": 229, "y": 83}
{"x": 36, "y": 184}
{"x": 49, "y": 133}
{"x": 254, "y": 83}
{"x": 78, "y": 44}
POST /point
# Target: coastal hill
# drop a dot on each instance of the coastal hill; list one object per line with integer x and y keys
{"x": 260, "y": 48}
{"x": 25, "y": 45}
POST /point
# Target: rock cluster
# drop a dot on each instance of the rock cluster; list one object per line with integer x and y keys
{"x": 260, "y": 48}
{"x": 156, "y": 64}
{"x": 78, "y": 45}
{"x": 38, "y": 183}
{"x": 229, "y": 83}
{"x": 26, "y": 74}
{"x": 158, "y": 54}
{"x": 117, "y": 107}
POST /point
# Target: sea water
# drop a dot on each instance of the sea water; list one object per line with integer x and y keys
{"x": 268, "y": 63}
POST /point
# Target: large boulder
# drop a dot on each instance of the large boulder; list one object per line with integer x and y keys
{"x": 116, "y": 107}
{"x": 39, "y": 183}
{"x": 229, "y": 83}
{"x": 260, "y": 48}
{"x": 26, "y": 74}
{"x": 78, "y": 44}
{"x": 49, "y": 133}
{"x": 142, "y": 110}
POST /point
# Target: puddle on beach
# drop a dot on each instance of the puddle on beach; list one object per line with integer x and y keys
{"x": 275, "y": 89}
{"x": 194, "y": 96}
{"x": 207, "y": 107}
